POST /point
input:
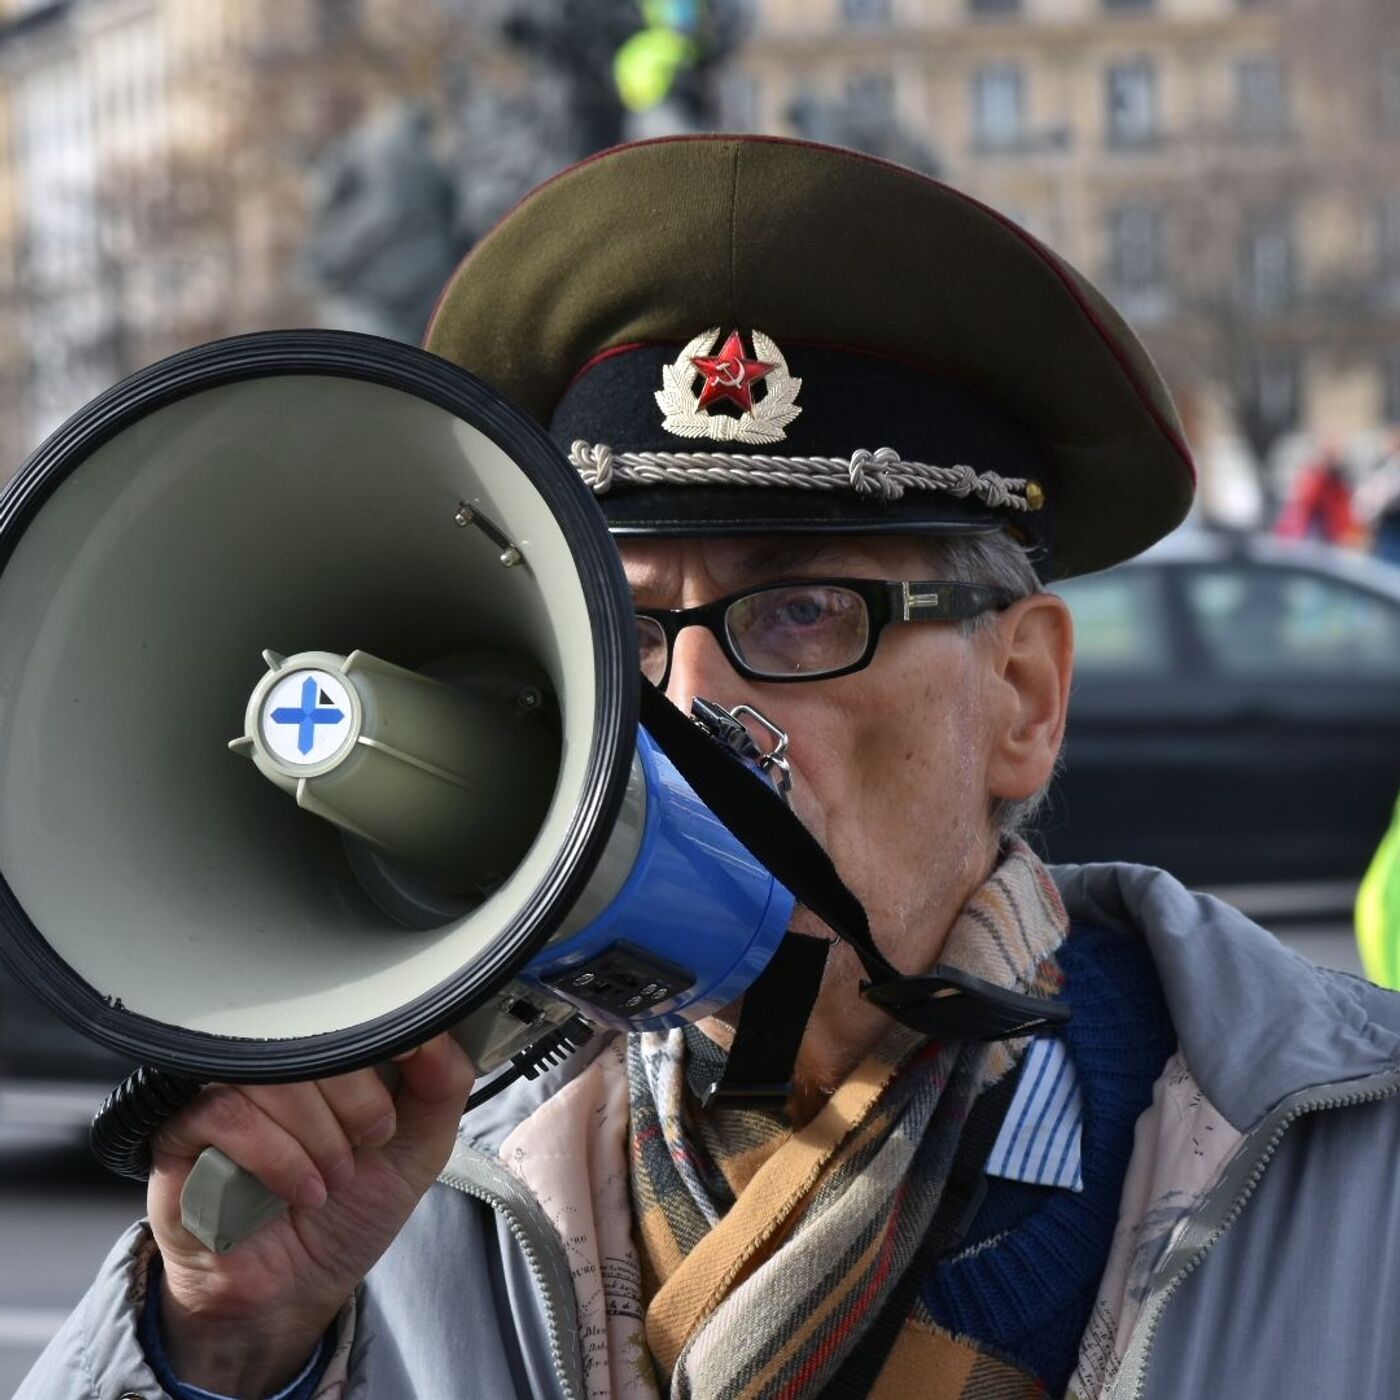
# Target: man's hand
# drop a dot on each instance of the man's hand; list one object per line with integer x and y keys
{"x": 352, "y": 1160}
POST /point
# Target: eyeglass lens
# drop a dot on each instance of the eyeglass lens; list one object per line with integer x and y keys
{"x": 803, "y": 629}
{"x": 651, "y": 642}
{"x": 799, "y": 629}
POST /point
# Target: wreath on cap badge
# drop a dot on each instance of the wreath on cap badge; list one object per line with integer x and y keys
{"x": 764, "y": 420}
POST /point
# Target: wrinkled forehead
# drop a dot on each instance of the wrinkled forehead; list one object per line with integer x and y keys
{"x": 662, "y": 565}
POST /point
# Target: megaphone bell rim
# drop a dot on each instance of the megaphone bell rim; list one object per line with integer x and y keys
{"x": 351, "y": 356}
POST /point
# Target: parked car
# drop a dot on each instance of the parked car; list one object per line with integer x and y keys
{"x": 1235, "y": 715}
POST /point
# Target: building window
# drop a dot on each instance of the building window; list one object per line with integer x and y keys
{"x": 1137, "y": 262}
{"x": 1269, "y": 265}
{"x": 1388, "y": 243}
{"x": 998, "y": 108}
{"x": 336, "y": 19}
{"x": 866, "y": 14}
{"x": 1117, "y": 6}
{"x": 1132, "y": 104}
{"x": 1261, "y": 96}
{"x": 1137, "y": 248}
{"x": 870, "y": 97}
{"x": 994, "y": 7}
{"x": 1275, "y": 394}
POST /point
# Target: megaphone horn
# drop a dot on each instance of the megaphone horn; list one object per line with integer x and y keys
{"x": 386, "y": 586}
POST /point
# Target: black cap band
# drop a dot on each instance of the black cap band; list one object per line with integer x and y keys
{"x": 851, "y": 402}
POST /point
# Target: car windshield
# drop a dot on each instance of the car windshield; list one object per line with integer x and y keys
{"x": 1284, "y": 622}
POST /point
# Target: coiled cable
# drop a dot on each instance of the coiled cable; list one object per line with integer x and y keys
{"x": 537, "y": 1057}
{"x": 133, "y": 1113}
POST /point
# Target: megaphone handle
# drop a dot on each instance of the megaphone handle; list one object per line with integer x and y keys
{"x": 221, "y": 1204}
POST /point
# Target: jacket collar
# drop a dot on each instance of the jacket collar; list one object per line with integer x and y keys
{"x": 1256, "y": 1022}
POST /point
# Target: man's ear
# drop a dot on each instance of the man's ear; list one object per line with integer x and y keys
{"x": 1034, "y": 641}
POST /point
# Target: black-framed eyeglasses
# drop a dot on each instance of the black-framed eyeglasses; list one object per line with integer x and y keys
{"x": 809, "y": 629}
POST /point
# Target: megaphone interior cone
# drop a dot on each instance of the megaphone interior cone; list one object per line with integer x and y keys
{"x": 294, "y": 490}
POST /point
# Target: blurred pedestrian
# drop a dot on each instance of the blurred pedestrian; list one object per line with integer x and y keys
{"x": 1319, "y": 503}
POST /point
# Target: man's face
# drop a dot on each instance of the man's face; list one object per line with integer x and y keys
{"x": 895, "y": 766}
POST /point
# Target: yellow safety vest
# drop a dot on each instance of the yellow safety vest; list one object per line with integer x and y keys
{"x": 1378, "y": 911}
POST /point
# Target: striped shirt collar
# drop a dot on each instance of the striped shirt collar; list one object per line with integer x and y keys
{"x": 1040, "y": 1136}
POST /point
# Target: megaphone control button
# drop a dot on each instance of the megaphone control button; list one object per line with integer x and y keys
{"x": 307, "y": 718}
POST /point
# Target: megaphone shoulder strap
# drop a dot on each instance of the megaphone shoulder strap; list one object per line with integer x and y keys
{"x": 760, "y": 819}
{"x": 946, "y": 1003}
{"x": 777, "y": 1007}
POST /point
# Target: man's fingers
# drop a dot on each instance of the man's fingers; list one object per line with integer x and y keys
{"x": 300, "y": 1139}
{"x": 437, "y": 1080}
{"x": 225, "y": 1117}
{"x": 308, "y": 1113}
{"x": 363, "y": 1105}
{"x": 438, "y": 1072}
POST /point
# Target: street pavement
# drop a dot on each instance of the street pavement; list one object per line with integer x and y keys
{"x": 60, "y": 1212}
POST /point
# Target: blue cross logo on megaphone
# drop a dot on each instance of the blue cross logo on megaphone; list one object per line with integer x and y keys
{"x": 316, "y": 708}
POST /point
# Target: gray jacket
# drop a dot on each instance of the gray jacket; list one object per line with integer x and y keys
{"x": 1283, "y": 1282}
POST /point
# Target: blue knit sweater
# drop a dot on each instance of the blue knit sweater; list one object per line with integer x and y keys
{"x": 1024, "y": 1285}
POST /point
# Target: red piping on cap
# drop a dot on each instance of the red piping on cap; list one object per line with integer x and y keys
{"x": 615, "y": 351}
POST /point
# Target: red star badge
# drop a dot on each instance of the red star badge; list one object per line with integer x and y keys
{"x": 730, "y": 375}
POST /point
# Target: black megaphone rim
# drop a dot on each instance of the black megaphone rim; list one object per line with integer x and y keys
{"x": 391, "y": 364}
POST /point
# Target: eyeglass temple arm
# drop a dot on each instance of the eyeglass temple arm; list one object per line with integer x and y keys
{"x": 948, "y": 602}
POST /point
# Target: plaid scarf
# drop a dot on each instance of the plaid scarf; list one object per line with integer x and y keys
{"x": 767, "y": 1253}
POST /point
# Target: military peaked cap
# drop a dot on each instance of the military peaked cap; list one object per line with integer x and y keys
{"x": 743, "y": 335}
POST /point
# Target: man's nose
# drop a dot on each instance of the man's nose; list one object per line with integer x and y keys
{"x": 700, "y": 667}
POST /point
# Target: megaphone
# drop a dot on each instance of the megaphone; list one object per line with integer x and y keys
{"x": 319, "y": 724}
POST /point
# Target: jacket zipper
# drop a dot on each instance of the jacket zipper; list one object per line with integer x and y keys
{"x": 1186, "y": 1259}
{"x": 533, "y": 1242}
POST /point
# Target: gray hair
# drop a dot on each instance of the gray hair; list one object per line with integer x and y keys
{"x": 995, "y": 559}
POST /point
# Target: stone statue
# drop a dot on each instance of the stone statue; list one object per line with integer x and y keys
{"x": 383, "y": 237}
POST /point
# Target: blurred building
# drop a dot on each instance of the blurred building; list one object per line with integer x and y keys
{"x": 1228, "y": 170}
{"x": 153, "y": 176}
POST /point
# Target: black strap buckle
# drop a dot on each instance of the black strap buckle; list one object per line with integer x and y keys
{"x": 948, "y": 1004}
{"x": 720, "y": 724}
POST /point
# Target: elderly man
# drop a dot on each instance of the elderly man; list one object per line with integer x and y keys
{"x": 806, "y": 387}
